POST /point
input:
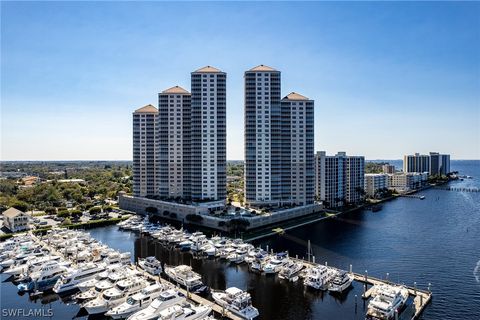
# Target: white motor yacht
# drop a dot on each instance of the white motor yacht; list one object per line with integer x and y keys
{"x": 45, "y": 278}
{"x": 341, "y": 281}
{"x": 150, "y": 265}
{"x": 136, "y": 302}
{"x": 275, "y": 263}
{"x": 290, "y": 270}
{"x": 166, "y": 299}
{"x": 237, "y": 301}
{"x": 317, "y": 277}
{"x": 389, "y": 299}
{"x": 185, "y": 312}
{"x": 113, "y": 297}
{"x": 186, "y": 277}
{"x": 70, "y": 280}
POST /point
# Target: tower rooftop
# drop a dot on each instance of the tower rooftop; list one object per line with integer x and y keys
{"x": 176, "y": 89}
{"x": 295, "y": 96}
{"x": 262, "y": 67}
{"x": 147, "y": 109}
{"x": 208, "y": 69}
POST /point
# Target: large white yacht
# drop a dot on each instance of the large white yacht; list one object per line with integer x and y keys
{"x": 290, "y": 270}
{"x": 317, "y": 277}
{"x": 186, "y": 277}
{"x": 237, "y": 301}
{"x": 113, "y": 297}
{"x": 45, "y": 278}
{"x": 341, "y": 281}
{"x": 103, "y": 285}
{"x": 29, "y": 265}
{"x": 136, "y": 302}
{"x": 388, "y": 300}
{"x": 70, "y": 280}
{"x": 166, "y": 299}
{"x": 90, "y": 283}
{"x": 185, "y": 312}
{"x": 150, "y": 265}
{"x": 275, "y": 263}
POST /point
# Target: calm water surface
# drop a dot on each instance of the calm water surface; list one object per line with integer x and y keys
{"x": 435, "y": 241}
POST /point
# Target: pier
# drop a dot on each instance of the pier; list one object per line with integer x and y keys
{"x": 458, "y": 189}
{"x": 421, "y": 298}
{"x": 414, "y": 196}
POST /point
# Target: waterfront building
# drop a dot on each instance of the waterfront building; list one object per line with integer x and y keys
{"x": 375, "y": 183}
{"x": 279, "y": 142}
{"x": 439, "y": 164}
{"x": 174, "y": 136}
{"x": 416, "y": 163}
{"x": 16, "y": 220}
{"x": 330, "y": 179}
{"x": 339, "y": 179}
{"x": 388, "y": 168}
{"x": 402, "y": 182}
{"x": 145, "y": 157}
{"x": 355, "y": 179}
{"x": 208, "y": 134}
{"x": 298, "y": 170}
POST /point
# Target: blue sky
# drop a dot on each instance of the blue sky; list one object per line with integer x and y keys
{"x": 387, "y": 78}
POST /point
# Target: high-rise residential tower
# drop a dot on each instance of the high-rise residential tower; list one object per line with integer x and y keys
{"x": 416, "y": 163}
{"x": 174, "y": 143}
{"x": 439, "y": 163}
{"x": 145, "y": 152}
{"x": 298, "y": 169}
{"x": 279, "y": 167}
{"x": 339, "y": 179}
{"x": 208, "y": 134}
{"x": 263, "y": 175}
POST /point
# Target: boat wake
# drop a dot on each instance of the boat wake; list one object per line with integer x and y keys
{"x": 476, "y": 272}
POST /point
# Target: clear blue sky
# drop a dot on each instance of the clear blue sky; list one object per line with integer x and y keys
{"x": 387, "y": 78}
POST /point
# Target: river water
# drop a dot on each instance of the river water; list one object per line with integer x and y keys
{"x": 436, "y": 241}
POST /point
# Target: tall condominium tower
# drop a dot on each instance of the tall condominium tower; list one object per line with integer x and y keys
{"x": 355, "y": 179}
{"x": 330, "y": 179}
{"x": 263, "y": 175}
{"x": 174, "y": 143}
{"x": 208, "y": 134}
{"x": 145, "y": 157}
{"x": 298, "y": 169}
{"x": 339, "y": 179}
{"x": 278, "y": 142}
{"x": 439, "y": 163}
{"x": 416, "y": 163}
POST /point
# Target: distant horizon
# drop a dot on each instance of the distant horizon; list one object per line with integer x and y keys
{"x": 100, "y": 160}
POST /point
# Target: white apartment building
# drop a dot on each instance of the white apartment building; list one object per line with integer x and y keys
{"x": 173, "y": 140}
{"x": 208, "y": 134}
{"x": 375, "y": 182}
{"x": 339, "y": 179}
{"x": 279, "y": 141}
{"x": 402, "y": 182}
{"x": 145, "y": 157}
